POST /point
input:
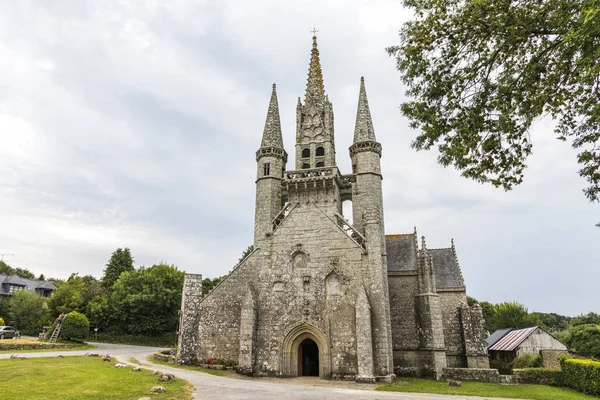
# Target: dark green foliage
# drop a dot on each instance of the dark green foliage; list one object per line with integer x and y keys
{"x": 513, "y": 315}
{"x": 481, "y": 72}
{"x": 539, "y": 376}
{"x": 68, "y": 297}
{"x": 552, "y": 321}
{"x": 585, "y": 339}
{"x": 489, "y": 317}
{"x": 21, "y": 272}
{"x": 527, "y": 361}
{"x": 25, "y": 311}
{"x": 120, "y": 261}
{"x": 75, "y": 326}
{"x": 245, "y": 254}
{"x": 582, "y": 375}
{"x": 586, "y": 319}
{"x": 209, "y": 284}
{"x": 146, "y": 301}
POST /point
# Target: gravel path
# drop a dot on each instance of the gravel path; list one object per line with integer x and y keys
{"x": 216, "y": 387}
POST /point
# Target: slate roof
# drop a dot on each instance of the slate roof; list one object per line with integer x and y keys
{"x": 499, "y": 334}
{"x": 447, "y": 273}
{"x": 30, "y": 284}
{"x": 512, "y": 339}
{"x": 402, "y": 256}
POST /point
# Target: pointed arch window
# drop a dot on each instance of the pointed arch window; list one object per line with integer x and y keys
{"x": 305, "y": 153}
{"x": 320, "y": 151}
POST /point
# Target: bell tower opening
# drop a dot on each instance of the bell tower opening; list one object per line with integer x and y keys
{"x": 308, "y": 358}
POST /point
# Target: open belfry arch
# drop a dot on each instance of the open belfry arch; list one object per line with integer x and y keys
{"x": 320, "y": 295}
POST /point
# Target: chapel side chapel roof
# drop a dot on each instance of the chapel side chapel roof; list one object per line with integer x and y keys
{"x": 402, "y": 256}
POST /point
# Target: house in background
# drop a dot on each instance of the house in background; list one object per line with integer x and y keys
{"x": 507, "y": 344}
{"x": 10, "y": 284}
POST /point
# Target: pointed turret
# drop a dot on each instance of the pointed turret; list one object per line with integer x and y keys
{"x": 363, "y": 130}
{"x": 270, "y": 164}
{"x": 315, "y": 90}
{"x": 272, "y": 136}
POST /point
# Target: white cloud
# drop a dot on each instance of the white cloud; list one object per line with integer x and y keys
{"x": 134, "y": 123}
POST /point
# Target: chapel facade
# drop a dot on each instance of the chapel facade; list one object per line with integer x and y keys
{"x": 319, "y": 295}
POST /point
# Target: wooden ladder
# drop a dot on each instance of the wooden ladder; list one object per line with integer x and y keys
{"x": 56, "y": 332}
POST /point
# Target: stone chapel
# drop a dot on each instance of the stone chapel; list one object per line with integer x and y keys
{"x": 318, "y": 295}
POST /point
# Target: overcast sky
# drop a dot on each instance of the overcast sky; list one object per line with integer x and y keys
{"x": 135, "y": 123}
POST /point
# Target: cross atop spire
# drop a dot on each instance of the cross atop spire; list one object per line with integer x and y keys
{"x": 315, "y": 90}
{"x": 314, "y": 31}
{"x": 272, "y": 134}
{"x": 363, "y": 130}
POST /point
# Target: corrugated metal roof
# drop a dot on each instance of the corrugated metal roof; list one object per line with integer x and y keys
{"x": 513, "y": 339}
{"x": 499, "y": 334}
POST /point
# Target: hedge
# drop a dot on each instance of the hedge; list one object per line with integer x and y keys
{"x": 163, "y": 340}
{"x": 582, "y": 375}
{"x": 539, "y": 376}
{"x": 75, "y": 326}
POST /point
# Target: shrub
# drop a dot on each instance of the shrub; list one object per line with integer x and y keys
{"x": 582, "y": 375}
{"x": 164, "y": 340}
{"x": 526, "y": 361}
{"x": 1, "y": 321}
{"x": 75, "y": 326}
{"x": 539, "y": 376}
{"x": 585, "y": 339}
{"x": 503, "y": 367}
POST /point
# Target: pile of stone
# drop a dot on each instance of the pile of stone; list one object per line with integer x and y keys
{"x": 18, "y": 357}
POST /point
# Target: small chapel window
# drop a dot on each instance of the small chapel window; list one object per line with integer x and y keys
{"x": 266, "y": 169}
{"x": 305, "y": 153}
{"x": 320, "y": 164}
{"x": 320, "y": 152}
{"x": 305, "y": 166}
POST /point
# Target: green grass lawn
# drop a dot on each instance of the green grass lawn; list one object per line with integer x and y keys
{"x": 218, "y": 372}
{"x": 535, "y": 392}
{"x": 81, "y": 378}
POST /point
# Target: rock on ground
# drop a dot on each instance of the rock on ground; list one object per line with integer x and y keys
{"x": 454, "y": 383}
{"x": 119, "y": 365}
{"x": 137, "y": 369}
{"x": 158, "y": 389}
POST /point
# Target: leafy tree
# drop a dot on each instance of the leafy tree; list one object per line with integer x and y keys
{"x": 589, "y": 318}
{"x": 25, "y": 312}
{"x": 552, "y": 321}
{"x": 513, "y": 315}
{"x": 585, "y": 339}
{"x": 6, "y": 269}
{"x": 120, "y": 261}
{"x": 489, "y": 316}
{"x": 481, "y": 72}
{"x": 24, "y": 273}
{"x": 146, "y": 301}
{"x": 209, "y": 284}
{"x": 98, "y": 310}
{"x": 67, "y": 297}
{"x": 41, "y": 277}
{"x": 245, "y": 254}
{"x": 75, "y": 326}
{"x": 21, "y": 272}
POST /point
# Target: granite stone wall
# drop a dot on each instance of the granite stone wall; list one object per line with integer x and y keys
{"x": 472, "y": 374}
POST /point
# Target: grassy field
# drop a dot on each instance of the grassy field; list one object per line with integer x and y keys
{"x": 73, "y": 378}
{"x": 535, "y": 392}
{"x": 10, "y": 345}
{"x": 218, "y": 372}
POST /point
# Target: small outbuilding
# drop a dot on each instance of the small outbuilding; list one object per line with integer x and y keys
{"x": 507, "y": 344}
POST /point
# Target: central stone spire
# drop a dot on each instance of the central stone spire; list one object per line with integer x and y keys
{"x": 315, "y": 90}
{"x": 315, "y": 147}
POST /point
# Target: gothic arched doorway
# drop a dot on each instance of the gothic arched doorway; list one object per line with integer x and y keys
{"x": 308, "y": 358}
{"x": 305, "y": 340}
